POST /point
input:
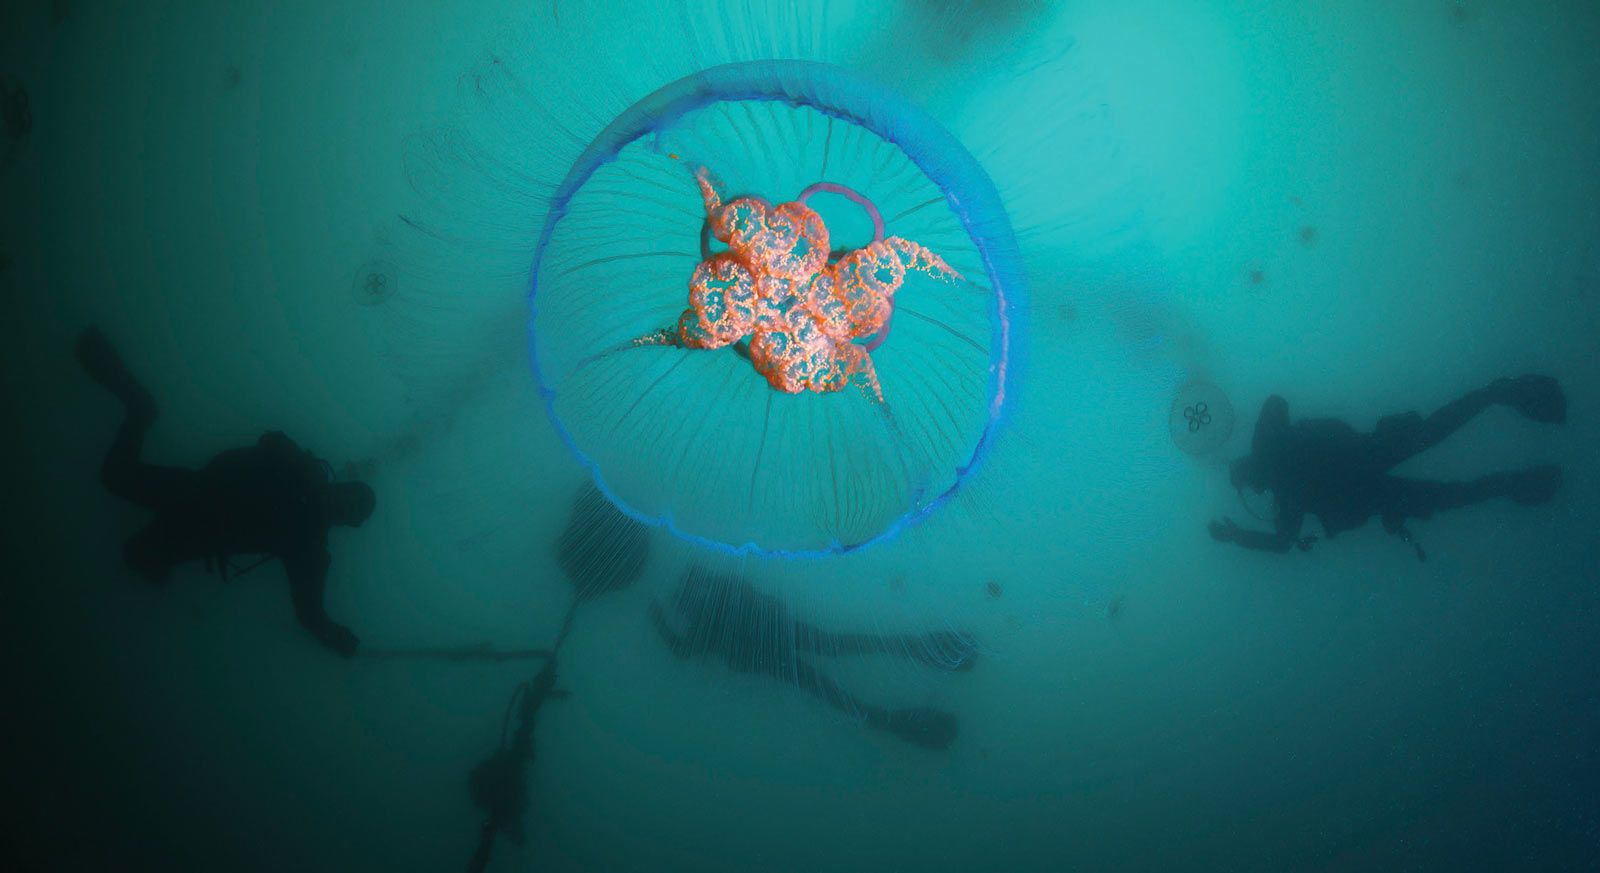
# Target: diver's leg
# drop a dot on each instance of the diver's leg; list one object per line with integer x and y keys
{"x": 810, "y": 638}
{"x": 100, "y": 360}
{"x": 930, "y": 728}
{"x": 941, "y": 650}
{"x": 1399, "y": 437}
{"x": 1415, "y": 498}
{"x": 816, "y": 682}
{"x": 159, "y": 546}
{"x": 153, "y": 487}
{"x": 122, "y": 472}
{"x": 1537, "y": 398}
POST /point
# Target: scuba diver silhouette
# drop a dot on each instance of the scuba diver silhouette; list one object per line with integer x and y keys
{"x": 1325, "y": 468}
{"x": 273, "y": 498}
{"x": 726, "y": 617}
{"x": 499, "y": 783}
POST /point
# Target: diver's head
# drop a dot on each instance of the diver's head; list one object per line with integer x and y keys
{"x": 1248, "y": 472}
{"x": 348, "y": 503}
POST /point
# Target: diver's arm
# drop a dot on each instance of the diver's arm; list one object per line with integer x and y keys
{"x": 307, "y": 574}
{"x": 1286, "y": 537}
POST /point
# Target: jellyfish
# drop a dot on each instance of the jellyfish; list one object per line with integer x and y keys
{"x": 375, "y": 282}
{"x": 728, "y": 256}
{"x": 1200, "y": 419}
{"x": 777, "y": 310}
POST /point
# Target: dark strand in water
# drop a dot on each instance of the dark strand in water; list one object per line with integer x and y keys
{"x": 471, "y": 652}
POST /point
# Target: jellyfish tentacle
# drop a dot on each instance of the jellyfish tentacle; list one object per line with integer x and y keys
{"x": 709, "y": 192}
{"x": 914, "y": 256}
{"x": 858, "y": 367}
{"x": 665, "y": 336}
{"x": 722, "y": 304}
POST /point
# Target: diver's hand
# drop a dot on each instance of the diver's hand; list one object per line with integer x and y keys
{"x": 1223, "y": 530}
{"x": 339, "y": 638}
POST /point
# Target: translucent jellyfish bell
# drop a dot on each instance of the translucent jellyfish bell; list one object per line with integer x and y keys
{"x": 375, "y": 282}
{"x": 1201, "y": 418}
{"x": 774, "y": 409}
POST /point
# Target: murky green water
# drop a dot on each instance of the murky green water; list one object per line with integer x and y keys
{"x": 1367, "y": 209}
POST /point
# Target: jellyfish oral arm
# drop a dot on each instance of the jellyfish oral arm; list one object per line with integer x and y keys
{"x": 853, "y": 196}
{"x": 774, "y": 285}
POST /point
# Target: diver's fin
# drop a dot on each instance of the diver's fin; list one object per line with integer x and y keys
{"x": 1538, "y": 398}
{"x": 100, "y": 360}
{"x": 1534, "y": 485}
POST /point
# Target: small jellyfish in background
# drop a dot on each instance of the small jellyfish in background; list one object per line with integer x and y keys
{"x": 1257, "y": 276}
{"x": 1200, "y": 419}
{"x": 374, "y": 283}
{"x": 1308, "y": 235}
{"x": 993, "y": 589}
{"x": 1114, "y": 608}
{"x": 231, "y": 78}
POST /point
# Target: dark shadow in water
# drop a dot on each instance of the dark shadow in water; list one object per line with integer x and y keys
{"x": 959, "y": 29}
{"x": 727, "y": 618}
{"x": 15, "y": 111}
{"x": 601, "y": 550}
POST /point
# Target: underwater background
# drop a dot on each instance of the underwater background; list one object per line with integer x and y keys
{"x": 1367, "y": 207}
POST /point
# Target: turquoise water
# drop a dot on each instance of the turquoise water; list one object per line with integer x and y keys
{"x": 1367, "y": 208}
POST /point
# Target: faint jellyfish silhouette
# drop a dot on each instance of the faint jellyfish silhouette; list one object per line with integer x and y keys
{"x": 1201, "y": 418}
{"x": 374, "y": 283}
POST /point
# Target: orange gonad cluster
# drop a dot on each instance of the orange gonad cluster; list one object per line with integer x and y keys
{"x": 774, "y": 284}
